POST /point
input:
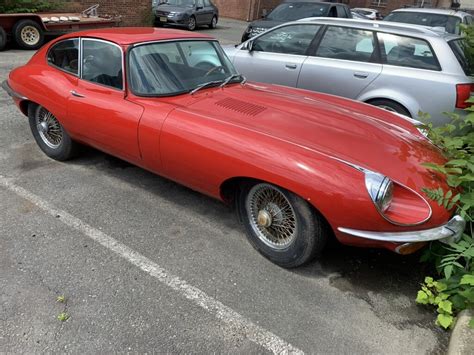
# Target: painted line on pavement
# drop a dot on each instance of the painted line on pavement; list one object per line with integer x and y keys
{"x": 253, "y": 332}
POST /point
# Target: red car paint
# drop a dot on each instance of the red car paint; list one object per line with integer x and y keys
{"x": 296, "y": 139}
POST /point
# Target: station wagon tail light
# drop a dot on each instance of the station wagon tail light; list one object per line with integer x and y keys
{"x": 463, "y": 93}
{"x": 396, "y": 203}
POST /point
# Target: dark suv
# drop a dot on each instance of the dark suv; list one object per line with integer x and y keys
{"x": 292, "y": 10}
{"x": 186, "y": 13}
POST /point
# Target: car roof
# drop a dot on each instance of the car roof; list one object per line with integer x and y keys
{"x": 434, "y": 11}
{"x": 385, "y": 26}
{"x": 364, "y": 8}
{"x": 132, "y": 35}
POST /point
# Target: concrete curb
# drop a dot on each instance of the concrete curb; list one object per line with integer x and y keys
{"x": 462, "y": 337}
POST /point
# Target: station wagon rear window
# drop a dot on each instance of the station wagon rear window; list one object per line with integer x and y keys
{"x": 407, "y": 52}
{"x": 463, "y": 55}
{"x": 449, "y": 23}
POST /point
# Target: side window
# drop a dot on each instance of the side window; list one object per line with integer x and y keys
{"x": 347, "y": 43}
{"x": 348, "y": 12}
{"x": 408, "y": 52}
{"x": 102, "y": 63}
{"x": 207, "y": 3}
{"x": 65, "y": 55}
{"x": 200, "y": 3}
{"x": 332, "y": 12}
{"x": 468, "y": 20}
{"x": 294, "y": 39}
{"x": 340, "y": 11}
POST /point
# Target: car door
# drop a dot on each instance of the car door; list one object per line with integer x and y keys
{"x": 97, "y": 105}
{"x": 203, "y": 13}
{"x": 277, "y": 55}
{"x": 345, "y": 62}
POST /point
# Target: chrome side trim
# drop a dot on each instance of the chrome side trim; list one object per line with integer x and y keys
{"x": 448, "y": 233}
{"x": 11, "y": 92}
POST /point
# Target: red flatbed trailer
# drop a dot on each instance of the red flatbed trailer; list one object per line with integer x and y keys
{"x": 28, "y": 29}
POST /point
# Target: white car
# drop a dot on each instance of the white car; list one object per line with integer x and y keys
{"x": 369, "y": 13}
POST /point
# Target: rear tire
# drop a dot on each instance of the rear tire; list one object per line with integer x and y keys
{"x": 3, "y": 39}
{"x": 391, "y": 106}
{"x": 213, "y": 23}
{"x": 28, "y": 34}
{"x": 49, "y": 134}
{"x": 280, "y": 225}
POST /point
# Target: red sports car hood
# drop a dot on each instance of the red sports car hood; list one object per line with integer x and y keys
{"x": 348, "y": 130}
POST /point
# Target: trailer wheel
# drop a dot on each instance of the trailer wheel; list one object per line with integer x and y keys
{"x": 28, "y": 34}
{"x": 3, "y": 39}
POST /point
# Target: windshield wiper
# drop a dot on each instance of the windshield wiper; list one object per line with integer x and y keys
{"x": 232, "y": 77}
{"x": 204, "y": 85}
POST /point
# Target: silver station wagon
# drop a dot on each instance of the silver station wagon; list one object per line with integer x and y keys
{"x": 399, "y": 67}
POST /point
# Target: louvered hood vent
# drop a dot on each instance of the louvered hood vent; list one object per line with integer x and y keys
{"x": 241, "y": 106}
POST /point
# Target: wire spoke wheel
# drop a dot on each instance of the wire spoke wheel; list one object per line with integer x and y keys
{"x": 271, "y": 216}
{"x": 49, "y": 128}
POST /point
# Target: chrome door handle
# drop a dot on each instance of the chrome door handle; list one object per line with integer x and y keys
{"x": 76, "y": 94}
{"x": 291, "y": 66}
{"x": 361, "y": 75}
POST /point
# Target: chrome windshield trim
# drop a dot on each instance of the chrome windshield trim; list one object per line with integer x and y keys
{"x": 12, "y": 92}
{"x": 451, "y": 231}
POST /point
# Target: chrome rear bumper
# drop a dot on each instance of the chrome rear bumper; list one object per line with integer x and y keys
{"x": 447, "y": 233}
{"x": 11, "y": 92}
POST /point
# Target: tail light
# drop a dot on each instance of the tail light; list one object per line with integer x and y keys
{"x": 463, "y": 93}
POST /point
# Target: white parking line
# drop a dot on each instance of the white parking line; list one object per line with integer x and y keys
{"x": 227, "y": 315}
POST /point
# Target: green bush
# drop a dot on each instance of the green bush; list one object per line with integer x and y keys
{"x": 25, "y": 6}
{"x": 453, "y": 291}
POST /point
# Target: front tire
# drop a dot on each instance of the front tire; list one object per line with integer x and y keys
{"x": 28, "y": 34}
{"x": 50, "y": 136}
{"x": 280, "y": 225}
{"x": 192, "y": 23}
{"x": 3, "y": 39}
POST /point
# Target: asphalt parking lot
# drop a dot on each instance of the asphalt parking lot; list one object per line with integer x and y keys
{"x": 148, "y": 265}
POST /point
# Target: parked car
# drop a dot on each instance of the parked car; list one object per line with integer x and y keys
{"x": 371, "y": 14}
{"x": 300, "y": 167}
{"x": 399, "y": 67}
{"x": 357, "y": 16}
{"x": 186, "y": 13}
{"x": 449, "y": 20}
{"x": 291, "y": 10}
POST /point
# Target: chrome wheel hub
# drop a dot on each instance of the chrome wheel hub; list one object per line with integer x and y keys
{"x": 49, "y": 129}
{"x": 271, "y": 216}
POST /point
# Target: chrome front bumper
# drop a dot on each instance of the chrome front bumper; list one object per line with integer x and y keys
{"x": 447, "y": 233}
{"x": 11, "y": 92}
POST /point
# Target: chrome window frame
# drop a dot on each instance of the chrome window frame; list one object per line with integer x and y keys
{"x": 81, "y": 53}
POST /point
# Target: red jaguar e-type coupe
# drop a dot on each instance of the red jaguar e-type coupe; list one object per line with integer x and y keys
{"x": 301, "y": 167}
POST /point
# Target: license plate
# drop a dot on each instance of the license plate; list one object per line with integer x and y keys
{"x": 163, "y": 19}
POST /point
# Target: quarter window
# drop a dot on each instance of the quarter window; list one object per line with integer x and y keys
{"x": 102, "y": 63}
{"x": 407, "y": 52}
{"x": 348, "y": 44}
{"x": 65, "y": 55}
{"x": 294, "y": 39}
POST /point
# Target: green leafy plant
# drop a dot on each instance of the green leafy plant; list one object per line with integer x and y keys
{"x": 63, "y": 316}
{"x": 454, "y": 262}
{"x": 26, "y": 6}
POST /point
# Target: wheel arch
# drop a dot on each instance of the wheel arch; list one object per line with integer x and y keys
{"x": 406, "y": 101}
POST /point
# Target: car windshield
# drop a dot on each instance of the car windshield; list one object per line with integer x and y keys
{"x": 172, "y": 68}
{"x": 463, "y": 55}
{"x": 179, "y": 2}
{"x": 296, "y": 11}
{"x": 449, "y": 23}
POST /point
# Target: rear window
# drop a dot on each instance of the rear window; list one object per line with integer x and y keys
{"x": 295, "y": 11}
{"x": 463, "y": 55}
{"x": 449, "y": 23}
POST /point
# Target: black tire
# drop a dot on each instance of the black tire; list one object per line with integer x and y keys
{"x": 307, "y": 239}
{"x": 390, "y": 105}
{"x": 28, "y": 34}
{"x": 213, "y": 23}
{"x": 192, "y": 25}
{"x": 3, "y": 39}
{"x": 65, "y": 149}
